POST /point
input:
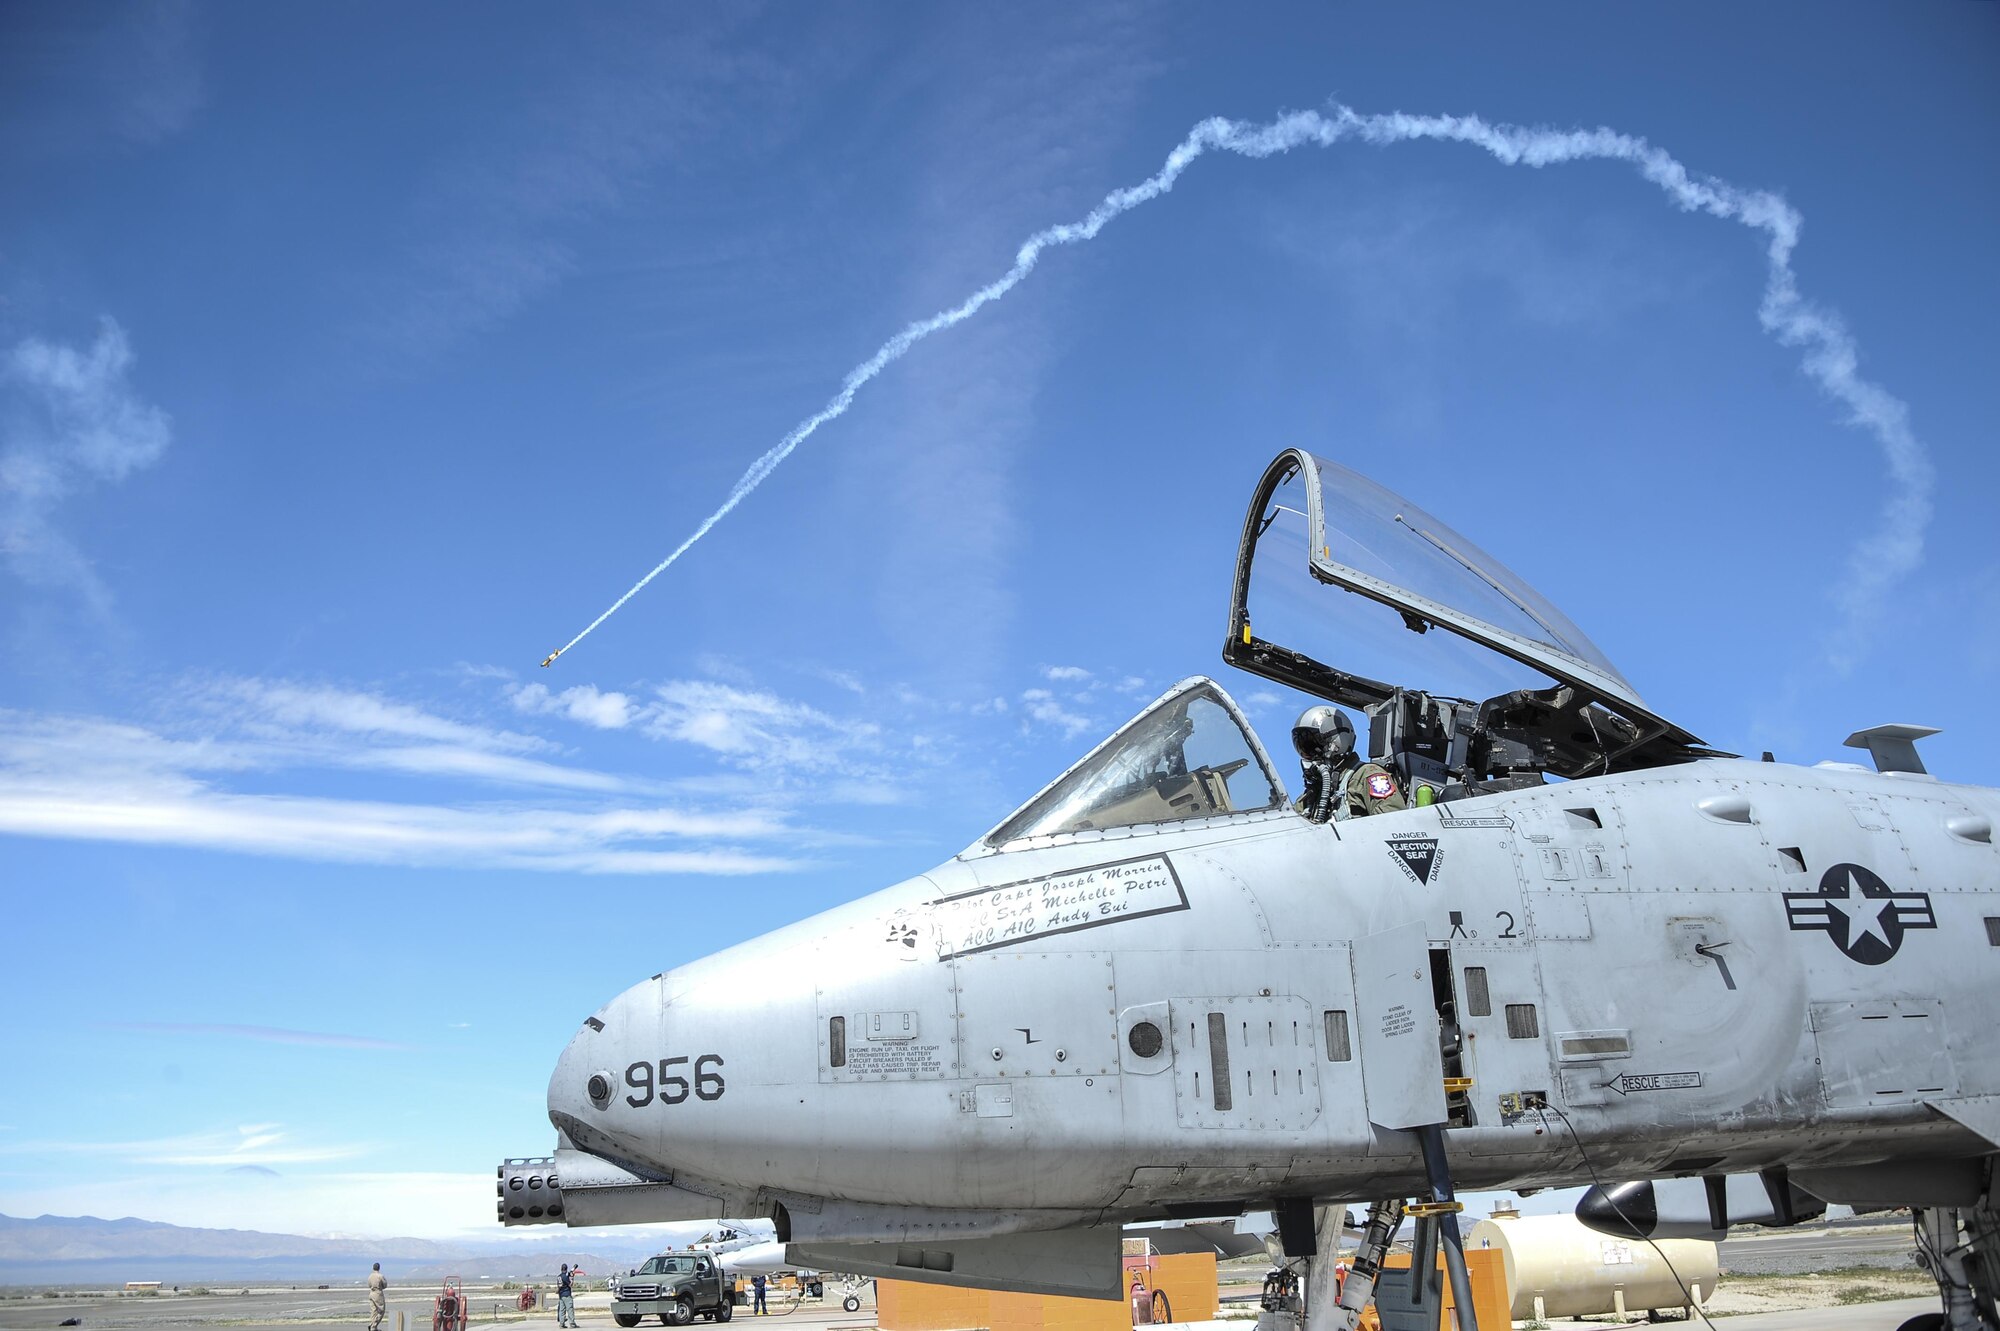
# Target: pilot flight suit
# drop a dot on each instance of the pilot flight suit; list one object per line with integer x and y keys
{"x": 378, "y": 1300}
{"x": 1365, "y": 788}
{"x": 1371, "y": 788}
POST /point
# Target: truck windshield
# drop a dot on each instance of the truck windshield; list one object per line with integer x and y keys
{"x": 664, "y": 1266}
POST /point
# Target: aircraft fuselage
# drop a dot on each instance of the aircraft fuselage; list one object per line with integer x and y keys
{"x": 1708, "y": 968}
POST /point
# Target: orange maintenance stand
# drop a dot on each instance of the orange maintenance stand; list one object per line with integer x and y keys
{"x": 1489, "y": 1289}
{"x": 1186, "y": 1279}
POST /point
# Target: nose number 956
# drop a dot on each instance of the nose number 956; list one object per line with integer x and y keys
{"x": 671, "y": 1087}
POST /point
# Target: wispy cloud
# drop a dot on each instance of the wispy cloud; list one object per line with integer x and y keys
{"x": 182, "y": 782}
{"x": 943, "y": 461}
{"x": 261, "y": 1034}
{"x": 1065, "y": 674}
{"x": 221, "y": 726}
{"x": 355, "y": 831}
{"x": 263, "y": 1144}
{"x": 72, "y": 420}
{"x": 80, "y": 75}
{"x": 1405, "y": 263}
{"x": 760, "y": 730}
{"x": 240, "y": 765}
{"x": 292, "y": 706}
{"x": 1830, "y": 355}
{"x": 1042, "y": 706}
{"x": 730, "y": 717}
{"x": 497, "y": 217}
{"x": 584, "y": 704}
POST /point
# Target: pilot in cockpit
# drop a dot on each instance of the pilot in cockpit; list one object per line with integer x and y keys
{"x": 1338, "y": 784}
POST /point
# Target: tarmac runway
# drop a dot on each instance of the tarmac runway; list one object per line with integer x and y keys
{"x": 1885, "y": 1316}
{"x": 289, "y": 1309}
{"x": 1795, "y": 1252}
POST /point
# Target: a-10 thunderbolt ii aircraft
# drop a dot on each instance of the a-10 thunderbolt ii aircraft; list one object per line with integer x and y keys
{"x": 1588, "y": 951}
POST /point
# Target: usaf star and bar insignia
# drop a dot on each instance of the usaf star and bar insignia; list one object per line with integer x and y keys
{"x": 1855, "y": 908}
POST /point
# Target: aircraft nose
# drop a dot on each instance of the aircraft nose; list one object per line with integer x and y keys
{"x": 584, "y": 1088}
{"x": 569, "y": 1084}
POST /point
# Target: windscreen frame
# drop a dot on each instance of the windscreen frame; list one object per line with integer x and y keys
{"x": 992, "y": 843}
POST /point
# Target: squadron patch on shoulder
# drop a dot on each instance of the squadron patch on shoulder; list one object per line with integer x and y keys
{"x": 1381, "y": 785}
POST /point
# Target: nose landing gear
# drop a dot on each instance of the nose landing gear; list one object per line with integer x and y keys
{"x": 1961, "y": 1250}
{"x": 1335, "y": 1300}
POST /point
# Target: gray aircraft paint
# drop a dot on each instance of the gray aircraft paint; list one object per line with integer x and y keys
{"x": 1710, "y": 967}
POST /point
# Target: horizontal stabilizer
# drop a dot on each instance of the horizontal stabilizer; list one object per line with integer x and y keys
{"x": 1981, "y": 1113}
{"x": 1220, "y": 1238}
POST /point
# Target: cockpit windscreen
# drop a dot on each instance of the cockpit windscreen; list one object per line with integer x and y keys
{"x": 1185, "y": 758}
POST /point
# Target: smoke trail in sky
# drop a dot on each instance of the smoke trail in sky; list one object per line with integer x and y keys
{"x": 1829, "y": 354}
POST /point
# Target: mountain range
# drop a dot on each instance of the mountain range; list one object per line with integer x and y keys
{"x": 75, "y": 1250}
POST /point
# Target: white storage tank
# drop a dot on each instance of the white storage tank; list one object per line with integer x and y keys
{"x": 1576, "y": 1272}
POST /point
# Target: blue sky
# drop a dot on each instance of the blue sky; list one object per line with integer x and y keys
{"x": 350, "y": 361}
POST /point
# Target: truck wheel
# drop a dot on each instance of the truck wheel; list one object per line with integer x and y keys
{"x": 725, "y": 1311}
{"x": 626, "y": 1319}
{"x": 852, "y": 1303}
{"x": 683, "y": 1312}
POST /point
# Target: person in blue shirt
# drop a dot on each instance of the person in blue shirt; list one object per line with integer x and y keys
{"x": 565, "y": 1305}
{"x": 757, "y": 1296}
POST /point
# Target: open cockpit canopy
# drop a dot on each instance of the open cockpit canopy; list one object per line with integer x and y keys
{"x": 1335, "y": 575}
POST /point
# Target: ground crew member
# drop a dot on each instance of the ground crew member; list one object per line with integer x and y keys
{"x": 1338, "y": 784}
{"x": 378, "y": 1298}
{"x": 565, "y": 1306}
{"x": 757, "y": 1308}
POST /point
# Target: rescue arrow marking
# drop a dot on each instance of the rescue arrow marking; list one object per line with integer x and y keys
{"x": 1654, "y": 1081}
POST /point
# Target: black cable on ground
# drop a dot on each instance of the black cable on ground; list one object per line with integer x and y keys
{"x": 1545, "y": 1110}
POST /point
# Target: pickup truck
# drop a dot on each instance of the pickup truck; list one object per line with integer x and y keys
{"x": 676, "y": 1287}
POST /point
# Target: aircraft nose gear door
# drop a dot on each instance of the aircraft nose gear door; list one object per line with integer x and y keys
{"x": 1403, "y": 1073}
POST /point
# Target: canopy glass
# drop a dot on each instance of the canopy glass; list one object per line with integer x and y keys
{"x": 1323, "y": 546}
{"x": 1187, "y": 756}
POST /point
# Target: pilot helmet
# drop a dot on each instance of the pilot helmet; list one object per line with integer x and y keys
{"x": 1323, "y": 733}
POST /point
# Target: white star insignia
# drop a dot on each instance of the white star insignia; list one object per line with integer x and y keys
{"x": 1863, "y": 923}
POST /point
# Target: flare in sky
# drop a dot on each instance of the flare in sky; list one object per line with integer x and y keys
{"x": 1829, "y": 353}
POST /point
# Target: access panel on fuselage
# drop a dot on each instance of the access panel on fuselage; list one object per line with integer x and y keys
{"x": 884, "y": 1012}
{"x": 1036, "y": 1014}
{"x": 1246, "y": 1062}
